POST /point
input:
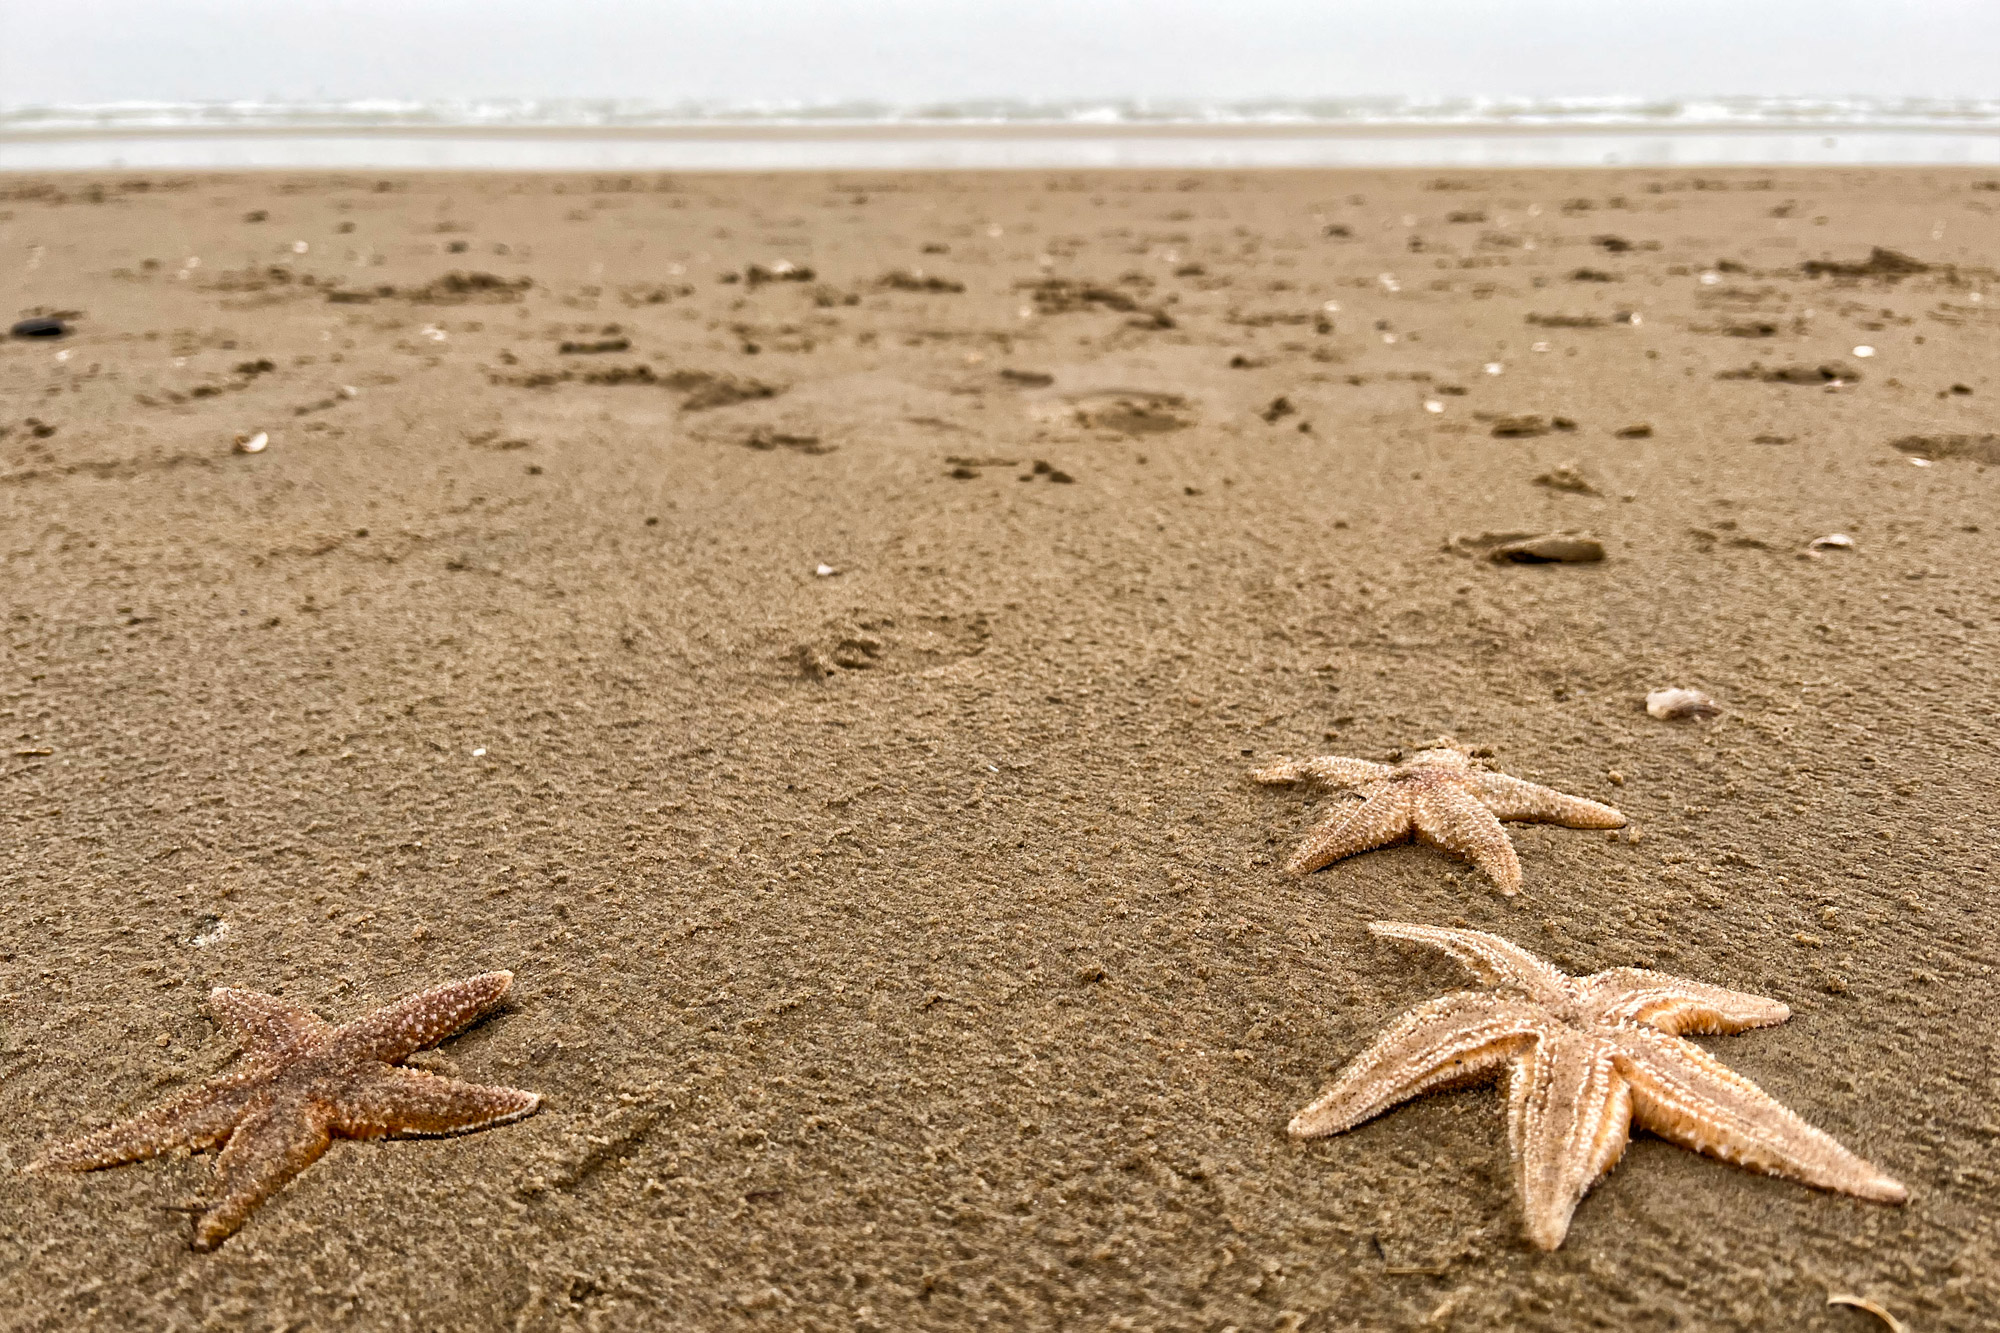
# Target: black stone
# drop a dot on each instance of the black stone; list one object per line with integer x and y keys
{"x": 40, "y": 328}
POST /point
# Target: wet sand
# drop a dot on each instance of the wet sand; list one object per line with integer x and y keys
{"x": 832, "y": 695}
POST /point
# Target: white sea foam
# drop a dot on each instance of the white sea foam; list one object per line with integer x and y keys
{"x": 1300, "y": 132}
{"x": 1450, "y": 114}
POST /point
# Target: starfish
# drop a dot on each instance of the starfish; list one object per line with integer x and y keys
{"x": 1439, "y": 794}
{"x": 299, "y": 1082}
{"x": 1585, "y": 1057}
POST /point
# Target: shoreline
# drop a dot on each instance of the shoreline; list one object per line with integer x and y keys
{"x": 755, "y": 149}
{"x": 972, "y": 145}
{"x": 814, "y": 130}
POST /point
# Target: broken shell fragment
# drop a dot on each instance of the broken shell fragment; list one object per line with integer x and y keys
{"x": 1672, "y": 705}
{"x": 1833, "y": 541}
{"x": 1553, "y": 548}
{"x": 247, "y": 443}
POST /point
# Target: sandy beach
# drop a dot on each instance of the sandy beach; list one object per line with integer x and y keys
{"x": 815, "y": 630}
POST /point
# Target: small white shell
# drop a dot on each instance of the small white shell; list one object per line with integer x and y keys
{"x": 1672, "y": 704}
{"x": 1833, "y": 541}
{"x": 252, "y": 444}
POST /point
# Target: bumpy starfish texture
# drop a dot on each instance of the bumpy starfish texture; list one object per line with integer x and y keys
{"x": 1585, "y": 1057}
{"x": 1440, "y": 795}
{"x": 301, "y": 1081}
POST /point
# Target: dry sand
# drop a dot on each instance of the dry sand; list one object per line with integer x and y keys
{"x": 904, "y": 947}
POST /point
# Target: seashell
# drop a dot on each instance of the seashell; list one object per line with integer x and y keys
{"x": 1671, "y": 705}
{"x": 247, "y": 443}
{"x": 1833, "y": 541}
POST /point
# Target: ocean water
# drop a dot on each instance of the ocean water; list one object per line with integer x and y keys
{"x": 633, "y": 134}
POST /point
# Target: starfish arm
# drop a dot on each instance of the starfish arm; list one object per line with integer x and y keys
{"x": 261, "y": 1022}
{"x": 269, "y": 1147}
{"x": 384, "y": 1100}
{"x": 1451, "y": 1041}
{"x": 1461, "y": 825}
{"x": 1569, "y": 1117}
{"x": 1493, "y": 960}
{"x": 1512, "y": 798}
{"x": 1382, "y": 818}
{"x": 1684, "y": 1094}
{"x": 415, "y": 1021}
{"x": 1675, "y": 1005}
{"x": 1330, "y": 770}
{"x": 199, "y": 1118}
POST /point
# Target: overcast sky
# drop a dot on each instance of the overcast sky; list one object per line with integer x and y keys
{"x": 751, "y": 51}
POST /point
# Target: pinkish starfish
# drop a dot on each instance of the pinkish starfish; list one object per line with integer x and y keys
{"x": 1584, "y": 1059}
{"x": 1439, "y": 794}
{"x": 298, "y": 1084}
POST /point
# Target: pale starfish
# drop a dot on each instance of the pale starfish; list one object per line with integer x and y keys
{"x": 299, "y": 1082}
{"x": 1585, "y": 1057}
{"x": 1441, "y": 795}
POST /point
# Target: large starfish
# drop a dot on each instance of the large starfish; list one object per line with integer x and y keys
{"x": 1440, "y": 795}
{"x": 1585, "y": 1057}
{"x": 299, "y": 1082}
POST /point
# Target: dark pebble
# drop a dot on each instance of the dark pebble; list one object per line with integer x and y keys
{"x": 40, "y": 328}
